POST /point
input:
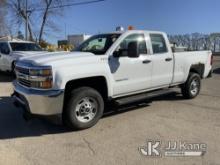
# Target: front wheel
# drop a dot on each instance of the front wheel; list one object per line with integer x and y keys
{"x": 192, "y": 86}
{"x": 84, "y": 108}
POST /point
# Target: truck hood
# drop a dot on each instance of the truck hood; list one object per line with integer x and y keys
{"x": 59, "y": 59}
{"x": 20, "y": 54}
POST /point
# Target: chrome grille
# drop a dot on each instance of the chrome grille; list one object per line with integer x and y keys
{"x": 22, "y": 73}
{"x": 24, "y": 82}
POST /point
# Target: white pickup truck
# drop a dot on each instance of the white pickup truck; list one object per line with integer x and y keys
{"x": 11, "y": 51}
{"x": 123, "y": 67}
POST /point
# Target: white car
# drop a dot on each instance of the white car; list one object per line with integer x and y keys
{"x": 11, "y": 51}
{"x": 123, "y": 67}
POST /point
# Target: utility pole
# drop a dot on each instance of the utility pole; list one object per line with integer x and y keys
{"x": 65, "y": 31}
{"x": 26, "y": 24}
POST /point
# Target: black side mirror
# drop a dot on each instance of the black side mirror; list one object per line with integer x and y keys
{"x": 5, "y": 51}
{"x": 117, "y": 53}
{"x": 174, "y": 47}
{"x": 133, "y": 50}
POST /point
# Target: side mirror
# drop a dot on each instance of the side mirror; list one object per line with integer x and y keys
{"x": 117, "y": 54}
{"x": 133, "y": 50}
{"x": 174, "y": 47}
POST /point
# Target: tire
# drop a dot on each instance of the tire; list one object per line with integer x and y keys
{"x": 84, "y": 108}
{"x": 192, "y": 86}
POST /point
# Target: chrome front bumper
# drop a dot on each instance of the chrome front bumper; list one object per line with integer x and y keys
{"x": 39, "y": 102}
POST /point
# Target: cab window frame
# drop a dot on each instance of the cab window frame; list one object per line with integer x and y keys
{"x": 151, "y": 35}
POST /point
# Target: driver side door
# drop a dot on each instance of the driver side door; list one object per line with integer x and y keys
{"x": 131, "y": 74}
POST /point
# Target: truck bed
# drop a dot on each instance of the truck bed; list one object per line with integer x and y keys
{"x": 183, "y": 59}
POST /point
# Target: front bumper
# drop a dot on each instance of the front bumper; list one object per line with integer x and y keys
{"x": 38, "y": 102}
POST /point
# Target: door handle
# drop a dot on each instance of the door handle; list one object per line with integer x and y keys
{"x": 146, "y": 61}
{"x": 168, "y": 59}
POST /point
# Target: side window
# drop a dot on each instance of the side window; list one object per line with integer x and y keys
{"x": 4, "y": 49}
{"x": 158, "y": 43}
{"x": 123, "y": 47}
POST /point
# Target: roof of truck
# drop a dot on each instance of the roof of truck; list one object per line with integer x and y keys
{"x": 135, "y": 31}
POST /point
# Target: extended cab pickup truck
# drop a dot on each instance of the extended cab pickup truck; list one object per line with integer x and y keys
{"x": 11, "y": 51}
{"x": 123, "y": 67}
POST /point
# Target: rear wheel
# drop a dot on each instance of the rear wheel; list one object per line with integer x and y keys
{"x": 84, "y": 108}
{"x": 192, "y": 86}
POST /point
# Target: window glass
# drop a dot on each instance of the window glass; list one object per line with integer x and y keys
{"x": 123, "y": 47}
{"x": 16, "y": 46}
{"x": 158, "y": 43}
{"x": 4, "y": 48}
{"x": 98, "y": 44}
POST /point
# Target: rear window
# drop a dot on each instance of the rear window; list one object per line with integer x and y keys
{"x": 25, "y": 47}
{"x": 158, "y": 43}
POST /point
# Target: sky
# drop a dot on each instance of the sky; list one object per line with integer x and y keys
{"x": 170, "y": 16}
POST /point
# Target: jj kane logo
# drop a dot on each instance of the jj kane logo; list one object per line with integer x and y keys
{"x": 155, "y": 148}
{"x": 151, "y": 149}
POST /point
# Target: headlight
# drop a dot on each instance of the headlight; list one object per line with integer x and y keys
{"x": 41, "y": 77}
{"x": 41, "y": 72}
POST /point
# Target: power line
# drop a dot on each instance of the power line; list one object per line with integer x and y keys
{"x": 71, "y": 4}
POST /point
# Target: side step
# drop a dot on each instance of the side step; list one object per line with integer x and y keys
{"x": 143, "y": 96}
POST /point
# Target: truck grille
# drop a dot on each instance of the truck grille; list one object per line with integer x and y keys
{"x": 22, "y": 74}
{"x": 24, "y": 82}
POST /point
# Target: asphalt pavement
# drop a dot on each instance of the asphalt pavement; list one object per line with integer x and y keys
{"x": 116, "y": 139}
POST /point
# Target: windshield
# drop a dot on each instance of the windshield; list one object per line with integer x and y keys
{"x": 25, "y": 47}
{"x": 98, "y": 44}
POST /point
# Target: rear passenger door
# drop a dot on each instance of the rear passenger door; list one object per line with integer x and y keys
{"x": 162, "y": 58}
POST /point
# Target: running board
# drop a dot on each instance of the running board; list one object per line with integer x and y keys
{"x": 143, "y": 96}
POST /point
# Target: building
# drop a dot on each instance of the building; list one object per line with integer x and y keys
{"x": 77, "y": 39}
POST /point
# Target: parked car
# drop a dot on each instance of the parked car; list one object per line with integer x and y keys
{"x": 122, "y": 67}
{"x": 11, "y": 51}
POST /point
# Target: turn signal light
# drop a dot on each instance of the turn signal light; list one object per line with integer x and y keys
{"x": 42, "y": 84}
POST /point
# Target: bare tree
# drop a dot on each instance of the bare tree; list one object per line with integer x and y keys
{"x": 38, "y": 15}
{"x": 41, "y": 14}
{"x": 18, "y": 15}
{"x": 198, "y": 41}
{"x": 215, "y": 38}
{"x": 47, "y": 13}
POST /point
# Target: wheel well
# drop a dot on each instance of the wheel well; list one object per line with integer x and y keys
{"x": 13, "y": 65}
{"x": 99, "y": 83}
{"x": 198, "y": 68}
